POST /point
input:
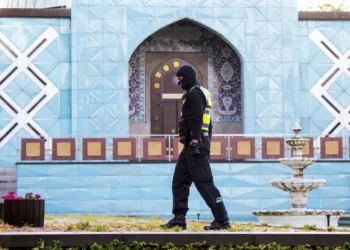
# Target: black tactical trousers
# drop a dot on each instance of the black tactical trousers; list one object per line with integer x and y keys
{"x": 196, "y": 169}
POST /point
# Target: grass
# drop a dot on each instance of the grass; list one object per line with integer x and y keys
{"x": 97, "y": 223}
{"x": 48, "y": 217}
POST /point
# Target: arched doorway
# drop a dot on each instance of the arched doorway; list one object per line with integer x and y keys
{"x": 217, "y": 62}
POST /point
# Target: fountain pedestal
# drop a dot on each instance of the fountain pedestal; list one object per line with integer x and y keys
{"x": 298, "y": 187}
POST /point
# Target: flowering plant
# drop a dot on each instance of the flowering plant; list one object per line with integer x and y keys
{"x": 12, "y": 196}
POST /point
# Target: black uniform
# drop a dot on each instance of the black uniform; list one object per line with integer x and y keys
{"x": 193, "y": 163}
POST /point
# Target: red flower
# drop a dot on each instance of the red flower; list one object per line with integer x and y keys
{"x": 12, "y": 196}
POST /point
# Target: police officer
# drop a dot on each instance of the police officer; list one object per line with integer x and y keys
{"x": 193, "y": 163}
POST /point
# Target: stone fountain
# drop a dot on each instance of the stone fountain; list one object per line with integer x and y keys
{"x": 298, "y": 187}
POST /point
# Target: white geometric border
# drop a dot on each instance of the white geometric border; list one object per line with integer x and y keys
{"x": 319, "y": 90}
{"x": 22, "y": 62}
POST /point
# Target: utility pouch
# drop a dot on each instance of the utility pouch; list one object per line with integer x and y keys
{"x": 183, "y": 130}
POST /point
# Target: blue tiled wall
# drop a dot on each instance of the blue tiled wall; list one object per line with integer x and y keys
{"x": 105, "y": 33}
{"x": 54, "y": 62}
{"x": 145, "y": 189}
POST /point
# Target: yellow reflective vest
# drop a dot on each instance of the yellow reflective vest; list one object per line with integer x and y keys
{"x": 206, "y": 113}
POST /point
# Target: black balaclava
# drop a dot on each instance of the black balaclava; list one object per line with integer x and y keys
{"x": 189, "y": 77}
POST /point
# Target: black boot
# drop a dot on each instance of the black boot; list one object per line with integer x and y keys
{"x": 178, "y": 220}
{"x": 215, "y": 225}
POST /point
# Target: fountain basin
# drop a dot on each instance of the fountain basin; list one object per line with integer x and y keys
{"x": 297, "y": 142}
{"x": 297, "y": 162}
{"x": 298, "y": 185}
{"x": 299, "y": 218}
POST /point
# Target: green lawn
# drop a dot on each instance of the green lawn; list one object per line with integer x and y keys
{"x": 98, "y": 223}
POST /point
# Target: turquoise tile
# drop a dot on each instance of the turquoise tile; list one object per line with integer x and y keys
{"x": 160, "y": 181}
{"x": 243, "y": 204}
{"x": 177, "y": 3}
{"x": 32, "y": 182}
{"x": 124, "y": 170}
{"x": 129, "y": 182}
{"x": 261, "y": 14}
{"x": 151, "y": 194}
{"x": 65, "y": 22}
{"x": 340, "y": 180}
{"x": 155, "y": 169}
{"x": 305, "y": 124}
{"x": 333, "y": 169}
{"x": 161, "y": 206}
{"x": 244, "y": 181}
{"x": 275, "y": 14}
{"x": 276, "y": 204}
{"x": 334, "y": 203}
{"x": 82, "y": 13}
{"x": 125, "y": 194}
{"x": 95, "y": 206}
{"x": 90, "y": 177}
{"x": 63, "y": 194}
{"x": 313, "y": 203}
{"x": 32, "y": 171}
{"x": 274, "y": 169}
{"x": 65, "y": 127}
{"x": 95, "y": 193}
{"x": 60, "y": 207}
{"x": 89, "y": 170}
{"x": 65, "y": 104}
{"x": 62, "y": 170}
{"x": 249, "y": 125}
{"x": 290, "y": 4}
{"x": 129, "y": 207}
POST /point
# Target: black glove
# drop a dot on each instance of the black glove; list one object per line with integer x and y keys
{"x": 195, "y": 149}
{"x": 183, "y": 140}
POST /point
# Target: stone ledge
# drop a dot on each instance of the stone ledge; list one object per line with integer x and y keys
{"x": 29, "y": 240}
{"x": 322, "y": 15}
{"x": 297, "y": 213}
{"x": 43, "y": 13}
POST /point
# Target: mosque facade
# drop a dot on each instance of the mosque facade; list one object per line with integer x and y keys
{"x": 88, "y": 109}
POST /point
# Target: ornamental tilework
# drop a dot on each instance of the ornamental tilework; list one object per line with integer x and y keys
{"x": 324, "y": 77}
{"x": 35, "y": 80}
{"x": 224, "y": 68}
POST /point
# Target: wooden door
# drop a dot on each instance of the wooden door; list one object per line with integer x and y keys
{"x": 171, "y": 116}
{"x": 166, "y": 96}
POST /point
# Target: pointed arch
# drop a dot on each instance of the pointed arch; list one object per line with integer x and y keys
{"x": 224, "y": 71}
{"x": 139, "y": 38}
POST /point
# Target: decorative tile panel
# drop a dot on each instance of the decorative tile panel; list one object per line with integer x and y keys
{"x": 124, "y": 149}
{"x": 63, "y": 149}
{"x": 94, "y": 149}
{"x": 218, "y": 148}
{"x": 329, "y": 90}
{"x": 331, "y": 147}
{"x": 243, "y": 148}
{"x": 272, "y": 148}
{"x": 32, "y": 149}
{"x": 154, "y": 148}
